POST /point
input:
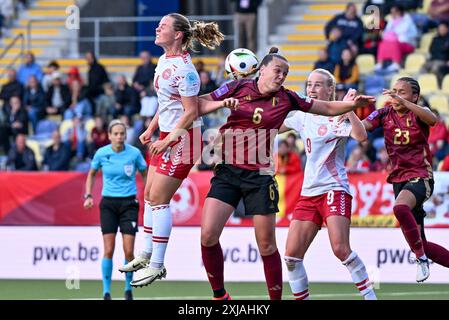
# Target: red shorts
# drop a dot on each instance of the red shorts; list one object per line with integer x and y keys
{"x": 318, "y": 208}
{"x": 180, "y": 156}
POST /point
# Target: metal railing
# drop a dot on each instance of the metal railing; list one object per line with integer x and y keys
{"x": 17, "y": 56}
{"x": 97, "y": 22}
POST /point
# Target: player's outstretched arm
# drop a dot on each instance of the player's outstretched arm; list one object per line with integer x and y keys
{"x": 284, "y": 128}
{"x": 335, "y": 108}
{"x": 207, "y": 105}
{"x": 424, "y": 113}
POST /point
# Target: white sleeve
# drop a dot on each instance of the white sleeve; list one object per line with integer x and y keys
{"x": 295, "y": 121}
{"x": 189, "y": 84}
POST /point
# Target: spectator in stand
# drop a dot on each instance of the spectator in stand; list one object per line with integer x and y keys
{"x": 28, "y": 69}
{"x": 106, "y": 103}
{"x": 97, "y": 76}
{"x": 373, "y": 34}
{"x": 130, "y": 132}
{"x": 98, "y": 137}
{"x": 144, "y": 73}
{"x": 79, "y": 103}
{"x": 336, "y": 45}
{"x": 398, "y": 39}
{"x": 357, "y": 161}
{"x": 148, "y": 102}
{"x": 382, "y": 163}
{"x": 444, "y": 165}
{"x": 324, "y": 62}
{"x": 75, "y": 139}
{"x": 57, "y": 156}
{"x": 6, "y": 14}
{"x": 219, "y": 74}
{"x": 439, "y": 10}
{"x": 74, "y": 76}
{"x": 34, "y": 102}
{"x": 21, "y": 157}
{"x": 18, "y": 117}
{"x": 200, "y": 66}
{"x": 58, "y": 96}
{"x": 126, "y": 99}
{"x": 47, "y": 80}
{"x": 207, "y": 84}
{"x": 287, "y": 162}
{"x": 346, "y": 74}
{"x": 439, "y": 50}
{"x": 350, "y": 25}
{"x": 438, "y": 138}
{"x": 245, "y": 21}
{"x": 4, "y": 130}
{"x": 291, "y": 141}
{"x": 11, "y": 88}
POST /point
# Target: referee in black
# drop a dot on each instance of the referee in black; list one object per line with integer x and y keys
{"x": 119, "y": 163}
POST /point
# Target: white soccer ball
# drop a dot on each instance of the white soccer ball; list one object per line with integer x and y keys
{"x": 239, "y": 62}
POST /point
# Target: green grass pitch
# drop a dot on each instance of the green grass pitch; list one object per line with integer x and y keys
{"x": 180, "y": 290}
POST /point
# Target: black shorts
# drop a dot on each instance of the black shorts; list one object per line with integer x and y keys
{"x": 259, "y": 192}
{"x": 422, "y": 189}
{"x": 115, "y": 212}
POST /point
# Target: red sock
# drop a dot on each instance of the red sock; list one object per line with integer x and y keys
{"x": 272, "y": 267}
{"x": 214, "y": 265}
{"x": 437, "y": 253}
{"x": 409, "y": 229}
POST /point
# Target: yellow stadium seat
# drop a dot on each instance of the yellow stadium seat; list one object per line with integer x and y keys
{"x": 425, "y": 7}
{"x": 89, "y": 125}
{"x": 366, "y": 63}
{"x": 445, "y": 85}
{"x": 34, "y": 145}
{"x": 440, "y": 103}
{"x": 428, "y": 83}
{"x": 380, "y": 101}
{"x": 426, "y": 41}
{"x": 414, "y": 63}
{"x": 65, "y": 125}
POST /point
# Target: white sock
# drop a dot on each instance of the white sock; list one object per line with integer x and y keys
{"x": 360, "y": 276}
{"x": 162, "y": 225}
{"x": 148, "y": 229}
{"x": 297, "y": 278}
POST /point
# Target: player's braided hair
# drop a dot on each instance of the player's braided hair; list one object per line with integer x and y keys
{"x": 416, "y": 89}
{"x": 273, "y": 53}
{"x": 207, "y": 34}
{"x": 330, "y": 81}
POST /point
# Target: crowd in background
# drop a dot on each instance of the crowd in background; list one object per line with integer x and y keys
{"x": 36, "y": 104}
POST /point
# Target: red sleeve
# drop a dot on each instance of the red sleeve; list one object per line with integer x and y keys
{"x": 375, "y": 118}
{"x": 225, "y": 91}
{"x": 299, "y": 101}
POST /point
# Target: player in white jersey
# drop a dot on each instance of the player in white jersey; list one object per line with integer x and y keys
{"x": 179, "y": 146}
{"x": 325, "y": 194}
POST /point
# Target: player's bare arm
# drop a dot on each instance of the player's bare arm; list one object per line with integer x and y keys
{"x": 207, "y": 105}
{"x": 283, "y": 129}
{"x": 190, "y": 105}
{"x": 145, "y": 137}
{"x": 358, "y": 131}
{"x": 88, "y": 200}
{"x": 424, "y": 113}
{"x": 335, "y": 108}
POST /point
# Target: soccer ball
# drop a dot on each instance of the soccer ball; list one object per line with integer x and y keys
{"x": 239, "y": 62}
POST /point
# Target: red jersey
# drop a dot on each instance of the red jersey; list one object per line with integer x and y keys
{"x": 406, "y": 141}
{"x": 253, "y": 127}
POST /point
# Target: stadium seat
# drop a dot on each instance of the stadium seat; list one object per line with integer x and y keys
{"x": 445, "y": 85}
{"x": 440, "y": 103}
{"x": 45, "y": 129}
{"x": 428, "y": 83}
{"x": 380, "y": 101}
{"x": 89, "y": 125}
{"x": 365, "y": 63}
{"x": 414, "y": 63}
{"x": 425, "y": 7}
{"x": 426, "y": 41}
{"x": 34, "y": 145}
{"x": 65, "y": 125}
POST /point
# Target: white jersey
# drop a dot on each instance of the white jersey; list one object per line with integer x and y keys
{"x": 175, "y": 77}
{"x": 325, "y": 144}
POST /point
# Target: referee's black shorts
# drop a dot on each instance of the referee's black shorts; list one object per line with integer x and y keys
{"x": 259, "y": 192}
{"x": 115, "y": 212}
{"x": 422, "y": 189}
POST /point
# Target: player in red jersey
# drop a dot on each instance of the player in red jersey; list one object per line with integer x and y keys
{"x": 406, "y": 130}
{"x": 244, "y": 169}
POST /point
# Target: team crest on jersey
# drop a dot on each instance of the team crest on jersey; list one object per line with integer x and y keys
{"x": 322, "y": 130}
{"x": 128, "y": 168}
{"x": 166, "y": 74}
{"x": 192, "y": 79}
